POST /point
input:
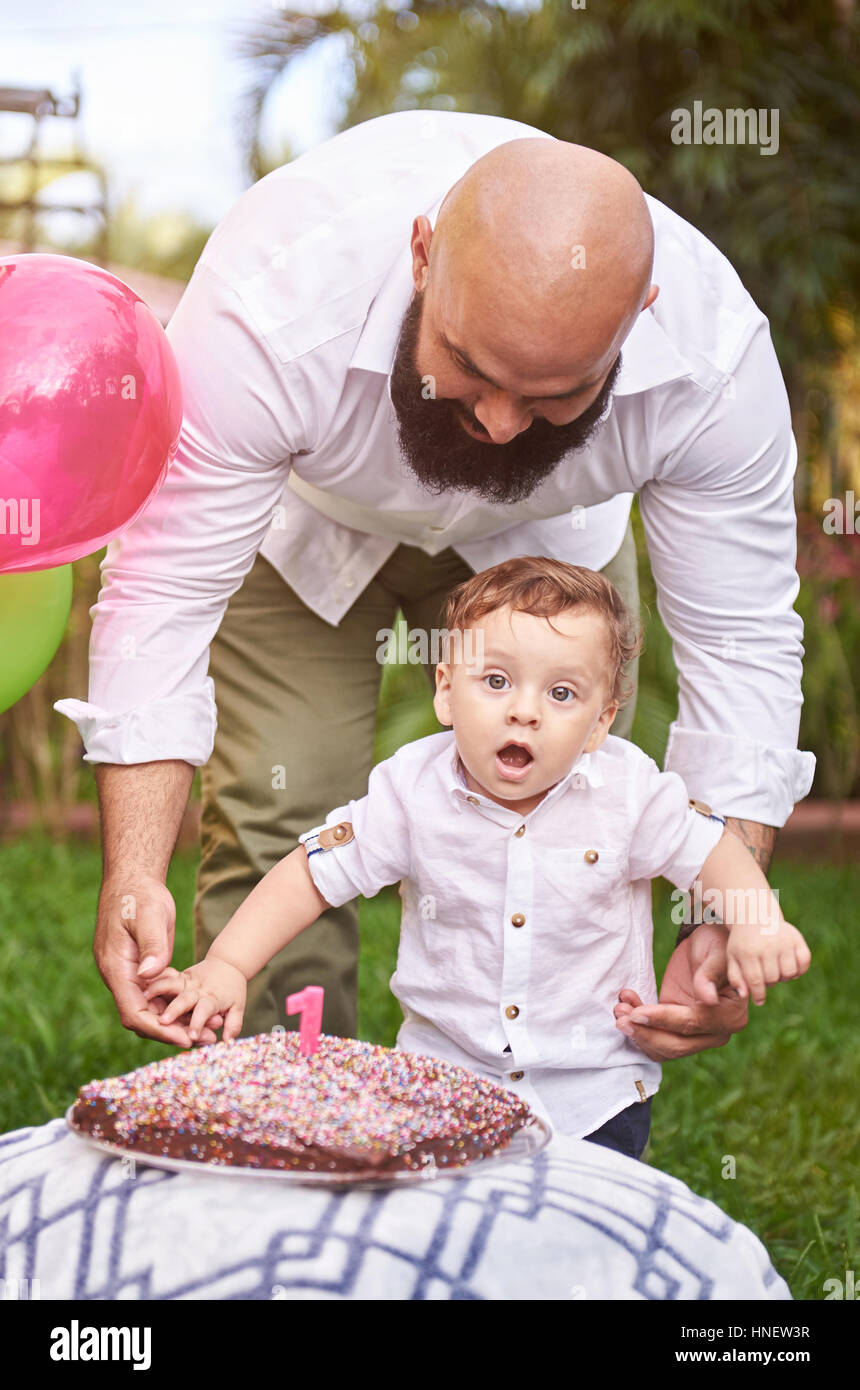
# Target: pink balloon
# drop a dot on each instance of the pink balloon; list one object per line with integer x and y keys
{"x": 90, "y": 409}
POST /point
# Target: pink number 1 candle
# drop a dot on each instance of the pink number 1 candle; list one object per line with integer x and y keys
{"x": 309, "y": 1003}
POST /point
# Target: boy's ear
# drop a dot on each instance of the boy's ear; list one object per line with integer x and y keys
{"x": 442, "y": 697}
{"x": 601, "y": 728}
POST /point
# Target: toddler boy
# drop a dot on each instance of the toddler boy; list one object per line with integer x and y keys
{"x": 524, "y": 841}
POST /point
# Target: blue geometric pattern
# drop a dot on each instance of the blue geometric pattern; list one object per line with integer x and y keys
{"x": 573, "y": 1222}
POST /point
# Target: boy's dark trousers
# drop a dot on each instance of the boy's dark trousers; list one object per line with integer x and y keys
{"x": 627, "y": 1132}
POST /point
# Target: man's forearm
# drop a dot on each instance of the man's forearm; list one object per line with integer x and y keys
{"x": 141, "y": 806}
{"x": 759, "y": 839}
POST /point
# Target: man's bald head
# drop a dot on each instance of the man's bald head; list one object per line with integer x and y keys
{"x": 525, "y": 291}
{"x": 544, "y": 237}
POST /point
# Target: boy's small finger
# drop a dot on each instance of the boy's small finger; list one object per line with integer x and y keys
{"x": 166, "y": 988}
{"x": 200, "y": 1017}
{"x": 770, "y": 970}
{"x": 232, "y": 1022}
{"x": 787, "y": 966}
{"x": 160, "y": 982}
{"x": 167, "y": 972}
{"x": 176, "y": 1008}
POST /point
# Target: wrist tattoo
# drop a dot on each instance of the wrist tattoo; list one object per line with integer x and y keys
{"x": 759, "y": 839}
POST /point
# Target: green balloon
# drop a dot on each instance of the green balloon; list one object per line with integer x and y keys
{"x": 34, "y": 610}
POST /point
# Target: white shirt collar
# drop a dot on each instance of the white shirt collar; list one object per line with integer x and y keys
{"x": 586, "y": 767}
{"x": 648, "y": 358}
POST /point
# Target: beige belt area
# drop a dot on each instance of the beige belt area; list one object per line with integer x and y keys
{"x": 406, "y": 526}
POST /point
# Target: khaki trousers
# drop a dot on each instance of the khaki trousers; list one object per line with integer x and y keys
{"x": 297, "y": 694}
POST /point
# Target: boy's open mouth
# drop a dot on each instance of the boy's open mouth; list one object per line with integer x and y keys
{"x": 514, "y": 761}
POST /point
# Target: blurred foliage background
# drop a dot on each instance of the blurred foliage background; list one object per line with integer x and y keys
{"x": 607, "y": 75}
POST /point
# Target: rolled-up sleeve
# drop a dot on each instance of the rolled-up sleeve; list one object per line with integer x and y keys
{"x": 722, "y": 539}
{"x": 378, "y": 852}
{"x": 167, "y": 578}
{"x": 668, "y": 837}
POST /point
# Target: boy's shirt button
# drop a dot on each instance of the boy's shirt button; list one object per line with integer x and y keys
{"x": 591, "y": 856}
{"x": 512, "y": 1011}
{"x": 518, "y": 920}
{"x": 334, "y": 835}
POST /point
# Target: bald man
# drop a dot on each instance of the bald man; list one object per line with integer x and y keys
{"x": 514, "y": 296}
{"x": 433, "y": 342}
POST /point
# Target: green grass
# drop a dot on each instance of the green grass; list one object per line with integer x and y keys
{"x": 781, "y": 1099}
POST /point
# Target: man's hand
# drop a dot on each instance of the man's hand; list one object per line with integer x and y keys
{"x": 680, "y": 1024}
{"x": 136, "y": 924}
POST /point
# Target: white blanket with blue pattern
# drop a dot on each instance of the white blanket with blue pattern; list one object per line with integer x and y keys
{"x": 574, "y": 1222}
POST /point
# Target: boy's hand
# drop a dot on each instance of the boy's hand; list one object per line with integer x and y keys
{"x": 207, "y": 990}
{"x": 758, "y": 956}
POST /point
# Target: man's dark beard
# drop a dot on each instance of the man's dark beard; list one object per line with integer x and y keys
{"x": 444, "y": 458}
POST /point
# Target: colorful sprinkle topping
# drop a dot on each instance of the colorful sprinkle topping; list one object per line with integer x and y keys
{"x": 351, "y": 1101}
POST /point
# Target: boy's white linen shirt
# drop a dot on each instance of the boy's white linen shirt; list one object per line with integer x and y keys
{"x": 285, "y": 339}
{"x": 465, "y": 873}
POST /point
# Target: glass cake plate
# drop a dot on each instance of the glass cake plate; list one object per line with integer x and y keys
{"x": 527, "y": 1142}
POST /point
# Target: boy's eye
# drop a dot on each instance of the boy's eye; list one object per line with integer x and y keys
{"x": 560, "y": 694}
{"x": 496, "y": 677}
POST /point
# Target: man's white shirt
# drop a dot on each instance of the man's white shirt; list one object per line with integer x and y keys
{"x": 519, "y": 931}
{"x": 285, "y": 339}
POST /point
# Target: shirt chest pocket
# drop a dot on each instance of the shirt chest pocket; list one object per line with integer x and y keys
{"x": 585, "y": 886}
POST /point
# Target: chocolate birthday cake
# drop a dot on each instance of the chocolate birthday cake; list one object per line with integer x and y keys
{"x": 259, "y": 1103}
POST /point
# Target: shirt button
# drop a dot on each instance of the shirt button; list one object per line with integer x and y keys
{"x": 339, "y": 832}
{"x": 591, "y": 856}
{"x": 511, "y": 1011}
{"x": 521, "y": 831}
{"x": 518, "y": 920}
{"x": 473, "y": 800}
{"x": 517, "y": 1075}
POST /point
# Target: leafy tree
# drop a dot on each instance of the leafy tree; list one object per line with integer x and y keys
{"x": 609, "y": 75}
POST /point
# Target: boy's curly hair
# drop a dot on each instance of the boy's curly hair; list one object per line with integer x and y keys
{"x": 543, "y": 587}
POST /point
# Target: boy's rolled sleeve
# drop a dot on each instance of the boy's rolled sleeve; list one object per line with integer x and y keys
{"x": 374, "y": 850}
{"x": 670, "y": 837}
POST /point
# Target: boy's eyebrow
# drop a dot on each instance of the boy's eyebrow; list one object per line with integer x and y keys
{"x": 562, "y": 395}
{"x": 493, "y": 657}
